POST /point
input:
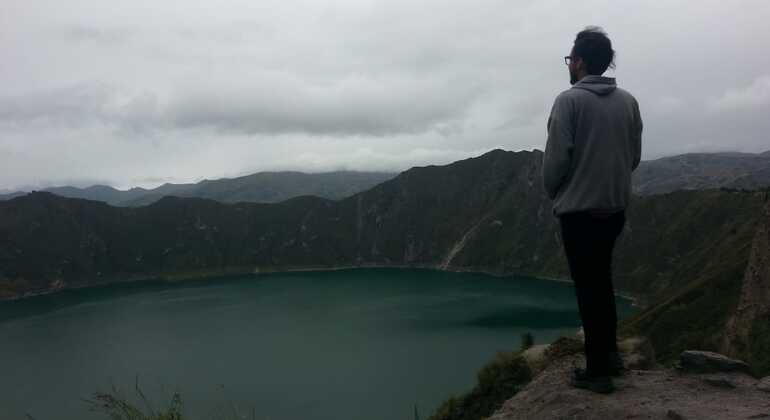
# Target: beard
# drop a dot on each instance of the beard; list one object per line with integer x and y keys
{"x": 572, "y": 77}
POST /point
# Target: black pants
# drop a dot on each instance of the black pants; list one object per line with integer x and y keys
{"x": 588, "y": 243}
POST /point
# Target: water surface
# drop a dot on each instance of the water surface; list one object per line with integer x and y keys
{"x": 350, "y": 344}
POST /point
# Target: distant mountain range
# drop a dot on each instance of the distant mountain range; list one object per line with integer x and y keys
{"x": 682, "y": 172}
{"x": 261, "y": 187}
{"x": 697, "y": 171}
{"x": 689, "y": 256}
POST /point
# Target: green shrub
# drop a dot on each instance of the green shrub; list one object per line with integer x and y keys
{"x": 564, "y": 346}
{"x": 117, "y": 407}
{"x": 498, "y": 381}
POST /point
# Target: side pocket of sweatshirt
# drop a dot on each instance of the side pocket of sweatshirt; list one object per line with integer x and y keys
{"x": 559, "y": 146}
{"x": 636, "y": 136}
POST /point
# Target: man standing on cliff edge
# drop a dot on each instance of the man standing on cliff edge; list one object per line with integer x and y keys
{"x": 594, "y": 143}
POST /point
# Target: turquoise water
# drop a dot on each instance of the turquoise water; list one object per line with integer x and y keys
{"x": 350, "y": 344}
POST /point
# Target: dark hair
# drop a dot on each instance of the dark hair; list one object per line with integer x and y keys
{"x": 595, "y": 48}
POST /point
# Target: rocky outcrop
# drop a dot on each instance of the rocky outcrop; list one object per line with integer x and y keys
{"x": 746, "y": 329}
{"x": 642, "y": 394}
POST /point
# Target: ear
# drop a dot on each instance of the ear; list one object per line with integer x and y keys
{"x": 579, "y": 64}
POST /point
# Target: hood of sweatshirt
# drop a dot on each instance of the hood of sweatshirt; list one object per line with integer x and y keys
{"x": 599, "y": 85}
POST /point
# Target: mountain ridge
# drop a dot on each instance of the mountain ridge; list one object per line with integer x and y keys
{"x": 269, "y": 186}
{"x": 703, "y": 170}
{"x": 737, "y": 170}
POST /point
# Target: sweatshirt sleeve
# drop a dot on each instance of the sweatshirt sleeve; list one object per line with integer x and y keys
{"x": 636, "y": 136}
{"x": 558, "y": 148}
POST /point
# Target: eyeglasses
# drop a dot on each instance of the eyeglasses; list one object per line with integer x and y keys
{"x": 567, "y": 59}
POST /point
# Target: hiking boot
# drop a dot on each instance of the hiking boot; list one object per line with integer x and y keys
{"x": 599, "y": 384}
{"x": 616, "y": 364}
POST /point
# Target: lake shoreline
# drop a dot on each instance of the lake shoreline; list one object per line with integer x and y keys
{"x": 256, "y": 271}
{"x": 274, "y": 339}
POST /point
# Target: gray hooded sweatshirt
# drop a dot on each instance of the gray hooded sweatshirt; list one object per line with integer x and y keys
{"x": 594, "y": 143}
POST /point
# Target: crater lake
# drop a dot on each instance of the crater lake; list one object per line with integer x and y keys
{"x": 321, "y": 345}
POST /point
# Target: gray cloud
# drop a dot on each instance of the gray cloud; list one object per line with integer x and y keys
{"x": 349, "y": 107}
{"x": 90, "y": 33}
{"x": 70, "y": 105}
{"x": 143, "y": 91}
{"x": 756, "y": 95}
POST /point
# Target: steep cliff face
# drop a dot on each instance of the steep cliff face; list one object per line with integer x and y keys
{"x": 747, "y": 332}
{"x": 698, "y": 283}
{"x": 488, "y": 213}
{"x": 675, "y": 239}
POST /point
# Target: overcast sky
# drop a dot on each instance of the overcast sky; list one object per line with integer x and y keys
{"x": 137, "y": 93}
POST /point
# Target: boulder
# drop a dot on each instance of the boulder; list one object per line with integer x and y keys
{"x": 764, "y": 384}
{"x": 637, "y": 353}
{"x": 696, "y": 361}
{"x": 720, "y": 382}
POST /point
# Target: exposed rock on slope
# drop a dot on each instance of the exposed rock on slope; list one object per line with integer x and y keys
{"x": 748, "y": 329}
